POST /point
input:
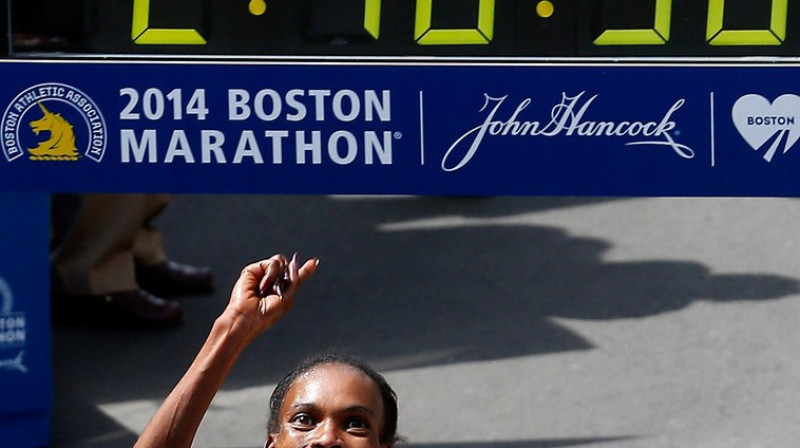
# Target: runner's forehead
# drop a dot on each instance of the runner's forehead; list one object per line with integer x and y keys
{"x": 334, "y": 386}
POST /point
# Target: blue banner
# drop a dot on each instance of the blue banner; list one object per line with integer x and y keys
{"x": 400, "y": 127}
{"x": 25, "y": 366}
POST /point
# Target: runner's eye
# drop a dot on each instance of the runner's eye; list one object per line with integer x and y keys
{"x": 357, "y": 423}
{"x": 302, "y": 420}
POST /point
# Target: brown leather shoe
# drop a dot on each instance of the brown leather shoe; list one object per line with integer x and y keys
{"x": 169, "y": 278}
{"x": 137, "y": 309}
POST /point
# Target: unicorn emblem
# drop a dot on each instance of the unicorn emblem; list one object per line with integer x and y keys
{"x": 61, "y": 143}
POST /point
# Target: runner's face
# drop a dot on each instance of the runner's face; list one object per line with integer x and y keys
{"x": 333, "y": 405}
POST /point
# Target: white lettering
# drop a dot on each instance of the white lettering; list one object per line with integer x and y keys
{"x": 314, "y": 147}
{"x": 238, "y": 107}
{"x": 277, "y": 144}
{"x": 350, "y": 148}
{"x": 382, "y": 107}
{"x": 338, "y": 105}
{"x": 319, "y": 102}
{"x": 248, "y": 147}
{"x": 147, "y": 145}
{"x": 276, "y": 105}
{"x": 212, "y": 142}
{"x": 373, "y": 146}
{"x": 341, "y": 147}
{"x": 297, "y": 104}
{"x": 298, "y": 108}
{"x": 566, "y": 118}
{"x": 179, "y": 147}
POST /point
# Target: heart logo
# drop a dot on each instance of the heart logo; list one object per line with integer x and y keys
{"x": 758, "y": 122}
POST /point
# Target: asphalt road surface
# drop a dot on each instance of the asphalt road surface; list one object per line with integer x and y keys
{"x": 501, "y": 322}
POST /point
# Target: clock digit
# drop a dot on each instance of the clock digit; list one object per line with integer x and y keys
{"x": 658, "y": 35}
{"x": 775, "y": 35}
{"x": 482, "y": 34}
{"x": 372, "y": 17}
{"x": 344, "y": 21}
{"x": 141, "y": 33}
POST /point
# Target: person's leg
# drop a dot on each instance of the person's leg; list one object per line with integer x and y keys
{"x": 96, "y": 254}
{"x": 93, "y": 268}
{"x": 159, "y": 275}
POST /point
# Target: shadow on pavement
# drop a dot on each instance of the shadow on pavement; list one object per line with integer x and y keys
{"x": 404, "y": 282}
{"x": 554, "y": 443}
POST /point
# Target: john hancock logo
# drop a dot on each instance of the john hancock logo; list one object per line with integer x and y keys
{"x": 53, "y": 122}
{"x": 768, "y": 126}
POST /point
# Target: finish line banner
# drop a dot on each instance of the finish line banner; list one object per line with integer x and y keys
{"x": 400, "y": 128}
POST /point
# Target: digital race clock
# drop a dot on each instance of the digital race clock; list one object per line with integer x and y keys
{"x": 500, "y": 28}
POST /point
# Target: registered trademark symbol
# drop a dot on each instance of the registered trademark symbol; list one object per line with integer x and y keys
{"x": 677, "y": 133}
{"x": 398, "y": 135}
